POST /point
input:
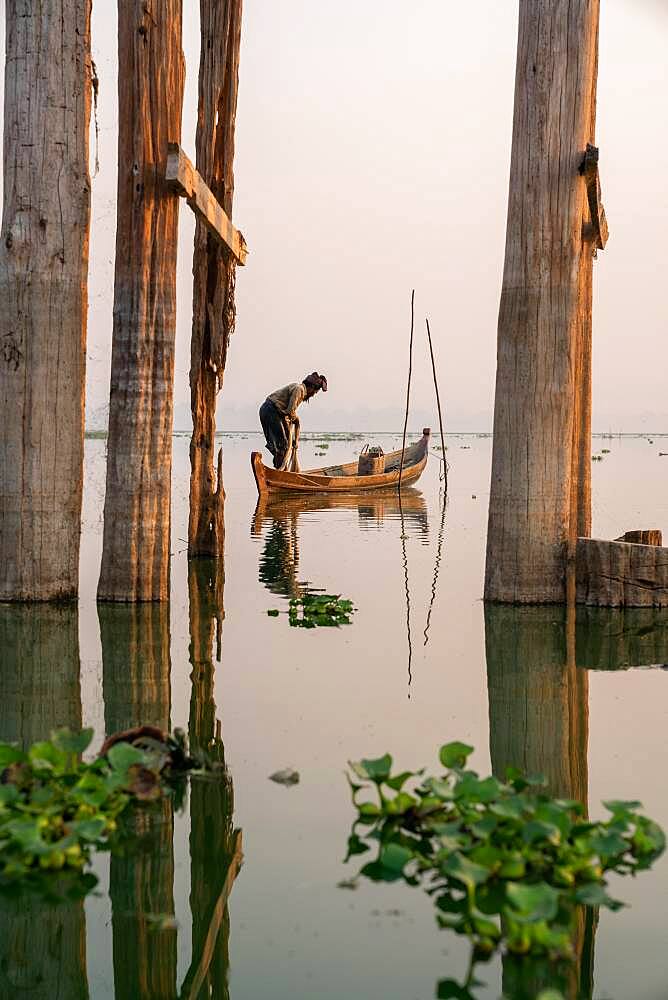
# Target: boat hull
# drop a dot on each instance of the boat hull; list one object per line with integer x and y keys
{"x": 346, "y": 479}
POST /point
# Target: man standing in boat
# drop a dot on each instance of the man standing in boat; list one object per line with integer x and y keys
{"x": 278, "y": 414}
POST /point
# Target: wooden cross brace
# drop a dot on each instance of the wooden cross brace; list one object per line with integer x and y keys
{"x": 185, "y": 181}
{"x": 597, "y": 231}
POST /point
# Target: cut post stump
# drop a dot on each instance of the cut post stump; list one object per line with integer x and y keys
{"x": 621, "y": 574}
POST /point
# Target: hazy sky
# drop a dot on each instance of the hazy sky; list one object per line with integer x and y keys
{"x": 373, "y": 146}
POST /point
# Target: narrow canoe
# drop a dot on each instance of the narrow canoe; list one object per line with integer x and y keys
{"x": 343, "y": 478}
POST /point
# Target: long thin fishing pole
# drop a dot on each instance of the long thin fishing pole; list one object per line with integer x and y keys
{"x": 438, "y": 404}
{"x": 408, "y": 389}
{"x": 437, "y": 564}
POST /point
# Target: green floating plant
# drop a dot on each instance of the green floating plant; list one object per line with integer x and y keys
{"x": 55, "y": 809}
{"x": 506, "y": 864}
{"x": 314, "y": 610}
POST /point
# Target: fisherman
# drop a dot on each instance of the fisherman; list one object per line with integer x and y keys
{"x": 279, "y": 412}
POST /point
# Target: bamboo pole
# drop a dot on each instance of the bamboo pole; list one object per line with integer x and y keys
{"x": 438, "y": 404}
{"x": 408, "y": 389}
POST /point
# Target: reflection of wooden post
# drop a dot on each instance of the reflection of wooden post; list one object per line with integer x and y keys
{"x": 214, "y": 268}
{"x": 43, "y": 296}
{"x": 42, "y": 946}
{"x": 538, "y": 712}
{"x": 136, "y": 681}
{"x": 135, "y": 555}
{"x": 539, "y": 722}
{"x": 540, "y": 495}
{"x": 212, "y": 839}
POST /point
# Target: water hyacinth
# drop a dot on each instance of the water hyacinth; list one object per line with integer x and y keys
{"x": 506, "y": 864}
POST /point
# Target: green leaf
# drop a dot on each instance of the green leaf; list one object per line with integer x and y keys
{"x": 449, "y": 989}
{"x": 8, "y": 795}
{"x": 395, "y": 857}
{"x": 510, "y": 808}
{"x": 89, "y": 829}
{"x": 454, "y": 754}
{"x": 595, "y": 895}
{"x": 10, "y": 755}
{"x": 400, "y": 804}
{"x": 533, "y": 902}
{"x": 620, "y": 807}
{"x": 550, "y": 994}
{"x": 459, "y": 867}
{"x": 377, "y": 770}
{"x": 70, "y": 742}
{"x": 273, "y": 612}
{"x": 45, "y": 756}
{"x": 123, "y": 755}
{"x": 608, "y": 844}
{"x": 355, "y": 846}
{"x": 399, "y": 780}
{"x": 537, "y": 830}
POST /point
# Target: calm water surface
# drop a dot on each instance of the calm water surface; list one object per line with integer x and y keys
{"x": 585, "y": 702}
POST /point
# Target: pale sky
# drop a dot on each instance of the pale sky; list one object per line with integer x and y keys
{"x": 373, "y": 147}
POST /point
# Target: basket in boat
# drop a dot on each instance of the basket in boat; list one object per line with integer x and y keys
{"x": 371, "y": 461}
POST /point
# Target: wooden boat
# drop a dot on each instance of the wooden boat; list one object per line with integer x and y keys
{"x": 343, "y": 478}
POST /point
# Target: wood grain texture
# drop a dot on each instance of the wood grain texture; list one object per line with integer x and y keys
{"x": 540, "y": 497}
{"x": 621, "y": 574}
{"x": 214, "y": 269}
{"x": 43, "y": 296}
{"x": 643, "y": 536}
{"x": 135, "y": 557}
{"x": 182, "y": 178}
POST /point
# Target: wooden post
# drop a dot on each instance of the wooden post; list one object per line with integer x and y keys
{"x": 43, "y": 296}
{"x": 540, "y": 497}
{"x": 42, "y": 944}
{"x": 135, "y": 556}
{"x": 214, "y": 268}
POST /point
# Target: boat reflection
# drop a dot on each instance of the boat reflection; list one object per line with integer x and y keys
{"x": 277, "y": 519}
{"x": 42, "y": 944}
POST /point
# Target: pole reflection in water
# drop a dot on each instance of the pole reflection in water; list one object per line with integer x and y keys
{"x": 136, "y": 679}
{"x": 215, "y": 847}
{"x": 539, "y": 722}
{"x": 42, "y": 945}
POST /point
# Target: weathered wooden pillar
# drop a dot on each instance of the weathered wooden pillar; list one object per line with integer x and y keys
{"x": 540, "y": 497}
{"x": 135, "y": 557}
{"x": 43, "y": 296}
{"x": 137, "y": 689}
{"x": 214, "y": 268}
{"x": 42, "y": 944}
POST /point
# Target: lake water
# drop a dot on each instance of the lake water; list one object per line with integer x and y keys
{"x": 582, "y": 701}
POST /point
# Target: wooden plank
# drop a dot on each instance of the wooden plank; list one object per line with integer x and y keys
{"x": 589, "y": 170}
{"x": 182, "y": 177}
{"x": 621, "y": 574}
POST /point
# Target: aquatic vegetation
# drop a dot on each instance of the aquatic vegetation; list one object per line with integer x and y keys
{"x": 597, "y": 458}
{"x": 312, "y": 610}
{"x": 506, "y": 864}
{"x": 56, "y": 809}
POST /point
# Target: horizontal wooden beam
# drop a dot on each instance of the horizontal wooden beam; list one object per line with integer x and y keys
{"x": 621, "y": 574}
{"x": 183, "y": 179}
